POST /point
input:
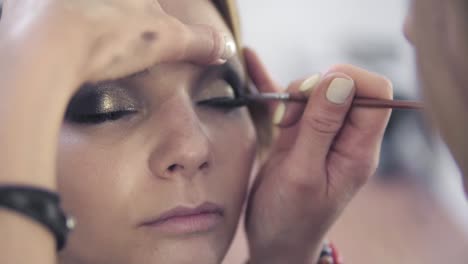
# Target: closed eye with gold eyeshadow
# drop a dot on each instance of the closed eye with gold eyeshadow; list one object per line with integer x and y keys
{"x": 95, "y": 104}
{"x": 222, "y": 83}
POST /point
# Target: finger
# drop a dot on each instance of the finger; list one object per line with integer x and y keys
{"x": 369, "y": 85}
{"x": 159, "y": 39}
{"x": 288, "y": 114}
{"x": 260, "y": 76}
{"x": 201, "y": 44}
{"x": 322, "y": 120}
{"x": 358, "y": 146}
{"x": 207, "y": 45}
{"x": 284, "y": 116}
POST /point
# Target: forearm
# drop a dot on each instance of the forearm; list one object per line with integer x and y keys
{"x": 37, "y": 77}
{"x": 24, "y": 241}
{"x": 36, "y": 80}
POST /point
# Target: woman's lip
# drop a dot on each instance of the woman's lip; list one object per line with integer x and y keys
{"x": 182, "y": 220}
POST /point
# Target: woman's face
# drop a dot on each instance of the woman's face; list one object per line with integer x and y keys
{"x": 132, "y": 151}
{"x": 439, "y": 32}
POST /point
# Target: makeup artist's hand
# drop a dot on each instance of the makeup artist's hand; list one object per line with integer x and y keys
{"x": 120, "y": 37}
{"x": 324, "y": 152}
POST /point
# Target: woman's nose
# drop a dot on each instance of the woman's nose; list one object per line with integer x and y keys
{"x": 186, "y": 151}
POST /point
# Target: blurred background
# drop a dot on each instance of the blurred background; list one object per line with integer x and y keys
{"x": 413, "y": 211}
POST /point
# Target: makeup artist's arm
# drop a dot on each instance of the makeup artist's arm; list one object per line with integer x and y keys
{"x": 324, "y": 153}
{"x": 47, "y": 50}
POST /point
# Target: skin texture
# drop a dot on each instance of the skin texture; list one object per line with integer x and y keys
{"x": 36, "y": 41}
{"x": 132, "y": 157}
{"x": 169, "y": 151}
{"x": 438, "y": 31}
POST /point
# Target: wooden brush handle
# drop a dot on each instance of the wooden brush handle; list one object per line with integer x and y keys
{"x": 382, "y": 103}
{"x": 369, "y": 102}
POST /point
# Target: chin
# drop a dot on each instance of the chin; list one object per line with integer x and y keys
{"x": 183, "y": 255}
{"x": 203, "y": 249}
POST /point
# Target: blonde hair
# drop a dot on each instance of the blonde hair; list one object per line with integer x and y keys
{"x": 229, "y": 11}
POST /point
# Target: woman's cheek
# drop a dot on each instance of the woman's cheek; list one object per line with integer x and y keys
{"x": 91, "y": 176}
{"x": 232, "y": 133}
{"x": 234, "y": 142}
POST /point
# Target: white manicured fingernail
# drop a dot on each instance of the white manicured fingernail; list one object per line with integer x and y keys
{"x": 310, "y": 83}
{"x": 230, "y": 48}
{"x": 339, "y": 90}
{"x": 279, "y": 113}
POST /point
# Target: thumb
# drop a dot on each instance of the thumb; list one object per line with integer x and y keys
{"x": 323, "y": 119}
{"x": 206, "y": 45}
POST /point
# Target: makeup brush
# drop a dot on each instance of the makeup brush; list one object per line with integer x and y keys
{"x": 300, "y": 98}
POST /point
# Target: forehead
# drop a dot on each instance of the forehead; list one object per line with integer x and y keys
{"x": 191, "y": 12}
{"x": 195, "y": 12}
{"x": 200, "y": 12}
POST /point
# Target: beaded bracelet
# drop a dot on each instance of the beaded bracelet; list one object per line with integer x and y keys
{"x": 329, "y": 255}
